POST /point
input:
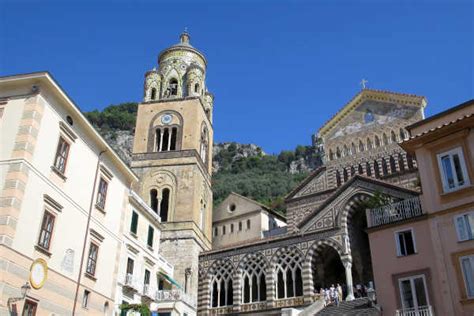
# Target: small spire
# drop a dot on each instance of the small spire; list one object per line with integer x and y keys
{"x": 184, "y": 37}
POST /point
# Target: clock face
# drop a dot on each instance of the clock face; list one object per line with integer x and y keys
{"x": 166, "y": 119}
{"x": 38, "y": 273}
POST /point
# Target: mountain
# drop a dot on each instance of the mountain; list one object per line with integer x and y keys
{"x": 242, "y": 168}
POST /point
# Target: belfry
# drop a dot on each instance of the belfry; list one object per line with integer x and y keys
{"x": 172, "y": 156}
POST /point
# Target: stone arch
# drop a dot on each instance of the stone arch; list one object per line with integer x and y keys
{"x": 155, "y": 124}
{"x": 220, "y": 283}
{"x": 163, "y": 183}
{"x": 252, "y": 278}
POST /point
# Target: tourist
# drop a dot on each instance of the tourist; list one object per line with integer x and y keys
{"x": 334, "y": 295}
{"x": 339, "y": 291}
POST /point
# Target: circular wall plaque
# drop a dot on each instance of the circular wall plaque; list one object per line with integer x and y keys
{"x": 38, "y": 273}
{"x": 166, "y": 119}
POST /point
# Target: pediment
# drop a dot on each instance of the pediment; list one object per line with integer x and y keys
{"x": 330, "y": 213}
{"x": 314, "y": 183}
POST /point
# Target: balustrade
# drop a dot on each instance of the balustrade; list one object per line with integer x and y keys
{"x": 394, "y": 212}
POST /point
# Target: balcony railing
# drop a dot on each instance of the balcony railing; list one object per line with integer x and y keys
{"x": 129, "y": 281}
{"x": 420, "y": 311}
{"x": 394, "y": 212}
{"x": 175, "y": 295}
{"x": 148, "y": 291}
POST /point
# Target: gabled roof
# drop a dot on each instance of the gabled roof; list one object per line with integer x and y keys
{"x": 257, "y": 204}
{"x": 307, "y": 180}
{"x": 346, "y": 185}
{"x": 371, "y": 94}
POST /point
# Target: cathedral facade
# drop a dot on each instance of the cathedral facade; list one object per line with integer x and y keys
{"x": 325, "y": 241}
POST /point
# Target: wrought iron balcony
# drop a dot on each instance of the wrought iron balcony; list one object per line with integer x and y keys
{"x": 420, "y": 311}
{"x": 173, "y": 296}
{"x": 394, "y": 212}
{"x": 129, "y": 281}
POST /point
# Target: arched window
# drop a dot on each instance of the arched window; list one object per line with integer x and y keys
{"x": 361, "y": 146}
{"x": 346, "y": 151}
{"x": 353, "y": 149}
{"x": 164, "y": 205}
{"x": 153, "y": 94}
{"x": 196, "y": 88}
{"x": 384, "y": 167}
{"x": 377, "y": 141}
{"x": 204, "y": 145}
{"x": 401, "y": 163}
{"x": 338, "y": 152}
{"x": 338, "y": 178}
{"x": 331, "y": 155}
{"x": 368, "y": 170}
{"x": 154, "y": 200}
{"x": 254, "y": 283}
{"x": 393, "y": 137}
{"x": 288, "y": 271}
{"x": 369, "y": 144}
{"x": 353, "y": 171}
{"x": 393, "y": 167}
{"x": 221, "y": 285}
{"x": 360, "y": 170}
{"x": 402, "y": 134}
{"x": 173, "y": 87}
{"x": 346, "y": 176}
{"x": 166, "y": 138}
{"x": 376, "y": 169}
{"x": 385, "y": 139}
{"x": 201, "y": 214}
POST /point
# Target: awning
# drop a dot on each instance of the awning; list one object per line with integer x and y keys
{"x": 169, "y": 279}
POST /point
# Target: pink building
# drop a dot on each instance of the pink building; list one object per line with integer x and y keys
{"x": 423, "y": 248}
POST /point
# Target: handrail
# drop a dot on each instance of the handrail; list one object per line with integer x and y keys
{"x": 394, "y": 212}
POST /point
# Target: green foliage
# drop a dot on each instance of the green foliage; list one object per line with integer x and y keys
{"x": 115, "y": 117}
{"x": 377, "y": 200}
{"x": 141, "y": 308}
{"x": 263, "y": 178}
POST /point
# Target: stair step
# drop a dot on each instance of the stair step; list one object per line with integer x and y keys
{"x": 357, "y": 307}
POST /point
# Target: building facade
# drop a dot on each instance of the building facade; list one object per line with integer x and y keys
{"x": 423, "y": 248}
{"x": 70, "y": 238}
{"x": 326, "y": 242}
{"x": 172, "y": 156}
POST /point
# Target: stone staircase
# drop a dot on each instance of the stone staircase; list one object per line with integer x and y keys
{"x": 357, "y": 307}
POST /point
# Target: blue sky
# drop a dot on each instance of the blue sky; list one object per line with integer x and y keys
{"x": 278, "y": 69}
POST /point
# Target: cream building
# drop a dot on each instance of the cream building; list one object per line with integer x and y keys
{"x": 238, "y": 220}
{"x": 64, "y": 194}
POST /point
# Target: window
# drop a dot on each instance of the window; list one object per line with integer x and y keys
{"x": 393, "y": 137}
{"x": 165, "y": 202}
{"x": 361, "y": 146}
{"x": 174, "y": 87}
{"x": 46, "y": 233}
{"x": 240, "y": 226}
{"x": 223, "y": 230}
{"x": 368, "y": 170}
{"x": 405, "y": 243}
{"x": 453, "y": 170}
{"x": 29, "y": 309}
{"x": 154, "y": 200}
{"x": 467, "y": 266}
{"x": 465, "y": 226}
{"x": 216, "y": 231}
{"x": 413, "y": 292}
{"x": 384, "y": 167}
{"x": 231, "y": 228}
{"x": 146, "y": 280}
{"x": 289, "y": 281}
{"x": 151, "y": 232}
{"x": 92, "y": 259}
{"x": 221, "y": 284}
{"x": 130, "y": 264}
{"x": 248, "y": 224}
{"x": 196, "y": 88}
{"x": 85, "y": 298}
{"x": 102, "y": 193}
{"x": 134, "y": 224}
{"x": 254, "y": 285}
{"x": 153, "y": 94}
{"x": 166, "y": 138}
{"x": 62, "y": 153}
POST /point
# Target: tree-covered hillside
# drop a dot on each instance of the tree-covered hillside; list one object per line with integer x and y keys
{"x": 244, "y": 169}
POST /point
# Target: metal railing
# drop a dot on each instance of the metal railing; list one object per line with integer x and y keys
{"x": 394, "y": 212}
{"x": 129, "y": 281}
{"x": 148, "y": 291}
{"x": 420, "y": 311}
{"x": 174, "y": 295}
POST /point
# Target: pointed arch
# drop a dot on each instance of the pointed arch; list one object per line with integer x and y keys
{"x": 377, "y": 141}
{"x": 288, "y": 266}
{"x": 252, "y": 272}
{"x": 361, "y": 146}
{"x": 393, "y": 167}
{"x": 368, "y": 169}
{"x": 338, "y": 152}
{"x": 402, "y": 134}
{"x": 360, "y": 170}
{"x": 346, "y": 151}
{"x": 393, "y": 137}
{"x": 353, "y": 149}
{"x": 385, "y": 139}
{"x": 221, "y": 274}
{"x": 369, "y": 144}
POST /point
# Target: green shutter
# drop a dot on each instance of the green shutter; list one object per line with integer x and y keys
{"x": 151, "y": 232}
{"x": 134, "y": 225}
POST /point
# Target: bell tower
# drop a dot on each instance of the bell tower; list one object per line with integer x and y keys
{"x": 172, "y": 155}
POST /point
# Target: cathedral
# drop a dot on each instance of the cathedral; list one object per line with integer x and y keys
{"x": 282, "y": 266}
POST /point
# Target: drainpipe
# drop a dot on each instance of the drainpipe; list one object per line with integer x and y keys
{"x": 78, "y": 282}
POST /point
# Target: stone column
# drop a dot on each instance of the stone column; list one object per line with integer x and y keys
{"x": 237, "y": 291}
{"x": 308, "y": 286}
{"x": 271, "y": 289}
{"x": 350, "y": 287}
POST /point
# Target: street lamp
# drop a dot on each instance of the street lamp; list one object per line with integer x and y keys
{"x": 25, "y": 288}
